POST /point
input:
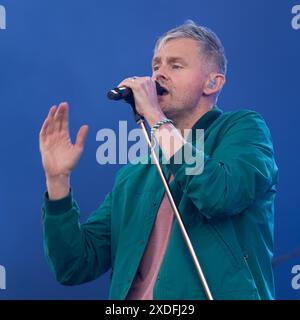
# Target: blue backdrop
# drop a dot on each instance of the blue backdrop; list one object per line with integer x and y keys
{"x": 74, "y": 51}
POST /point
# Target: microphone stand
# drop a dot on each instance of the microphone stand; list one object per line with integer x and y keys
{"x": 140, "y": 121}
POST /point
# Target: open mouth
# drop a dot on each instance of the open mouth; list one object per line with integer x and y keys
{"x": 161, "y": 91}
{"x": 164, "y": 91}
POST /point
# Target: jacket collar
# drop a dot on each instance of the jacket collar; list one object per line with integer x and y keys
{"x": 208, "y": 118}
{"x": 204, "y": 122}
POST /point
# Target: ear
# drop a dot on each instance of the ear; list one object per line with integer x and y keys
{"x": 214, "y": 84}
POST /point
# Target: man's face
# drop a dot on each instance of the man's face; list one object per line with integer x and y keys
{"x": 179, "y": 67}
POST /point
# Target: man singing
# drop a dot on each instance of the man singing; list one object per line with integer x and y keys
{"x": 227, "y": 209}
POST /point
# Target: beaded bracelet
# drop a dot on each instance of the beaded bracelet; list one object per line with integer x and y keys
{"x": 157, "y": 125}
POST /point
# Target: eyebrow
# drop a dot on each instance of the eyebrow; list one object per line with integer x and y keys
{"x": 169, "y": 60}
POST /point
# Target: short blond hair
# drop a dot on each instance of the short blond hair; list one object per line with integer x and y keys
{"x": 209, "y": 43}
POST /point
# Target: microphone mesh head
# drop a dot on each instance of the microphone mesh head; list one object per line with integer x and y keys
{"x": 114, "y": 94}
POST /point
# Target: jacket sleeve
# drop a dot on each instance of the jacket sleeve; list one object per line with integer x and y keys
{"x": 77, "y": 252}
{"x": 240, "y": 169}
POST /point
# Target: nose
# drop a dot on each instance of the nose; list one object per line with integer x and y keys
{"x": 160, "y": 74}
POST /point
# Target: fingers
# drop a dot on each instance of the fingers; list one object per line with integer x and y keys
{"x": 81, "y": 136}
{"x": 133, "y": 82}
{"x": 64, "y": 125}
{"x": 129, "y": 82}
{"x": 49, "y": 120}
{"x": 138, "y": 83}
{"x": 58, "y": 120}
{"x": 59, "y": 117}
{"x": 43, "y": 131}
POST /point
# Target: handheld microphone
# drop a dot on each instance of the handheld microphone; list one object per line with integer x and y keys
{"x": 127, "y": 94}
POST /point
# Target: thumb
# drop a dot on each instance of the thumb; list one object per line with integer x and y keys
{"x": 81, "y": 136}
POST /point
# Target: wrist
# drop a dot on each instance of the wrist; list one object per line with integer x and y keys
{"x": 155, "y": 117}
{"x": 159, "y": 124}
{"x": 58, "y": 177}
{"x": 58, "y": 186}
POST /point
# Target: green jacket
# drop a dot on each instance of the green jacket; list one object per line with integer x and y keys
{"x": 228, "y": 211}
